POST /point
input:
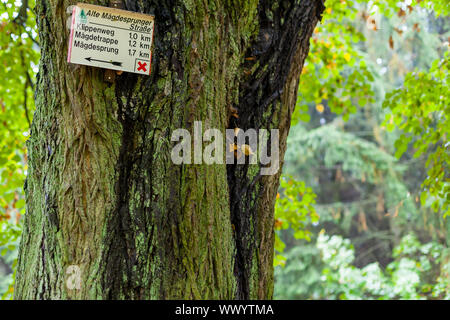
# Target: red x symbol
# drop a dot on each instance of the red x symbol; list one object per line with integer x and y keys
{"x": 142, "y": 66}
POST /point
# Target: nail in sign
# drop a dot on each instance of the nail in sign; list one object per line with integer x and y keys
{"x": 111, "y": 38}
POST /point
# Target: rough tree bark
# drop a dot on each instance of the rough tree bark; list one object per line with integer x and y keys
{"x": 102, "y": 192}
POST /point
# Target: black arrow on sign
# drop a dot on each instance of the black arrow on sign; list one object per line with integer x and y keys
{"x": 114, "y": 63}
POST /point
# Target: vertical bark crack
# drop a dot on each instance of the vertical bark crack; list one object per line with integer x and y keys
{"x": 282, "y": 29}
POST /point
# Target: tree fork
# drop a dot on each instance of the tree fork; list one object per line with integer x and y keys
{"x": 102, "y": 192}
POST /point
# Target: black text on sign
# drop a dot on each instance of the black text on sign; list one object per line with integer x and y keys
{"x": 111, "y": 38}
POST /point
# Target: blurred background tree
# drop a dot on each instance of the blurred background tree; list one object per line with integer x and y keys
{"x": 371, "y": 141}
{"x": 361, "y": 211}
{"x": 19, "y": 56}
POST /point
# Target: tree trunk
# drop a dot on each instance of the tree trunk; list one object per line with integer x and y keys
{"x": 103, "y": 195}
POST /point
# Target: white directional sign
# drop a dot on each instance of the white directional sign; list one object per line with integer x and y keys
{"x": 111, "y": 38}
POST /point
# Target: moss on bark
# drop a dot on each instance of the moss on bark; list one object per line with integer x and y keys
{"x": 102, "y": 192}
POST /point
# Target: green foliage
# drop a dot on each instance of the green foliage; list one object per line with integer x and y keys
{"x": 412, "y": 275}
{"x": 9, "y": 243}
{"x": 367, "y": 192}
{"x": 336, "y": 76}
{"x": 391, "y": 7}
{"x": 327, "y": 143}
{"x": 294, "y": 209}
{"x": 420, "y": 110}
{"x": 19, "y": 57}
